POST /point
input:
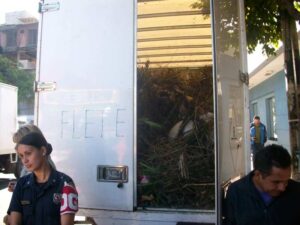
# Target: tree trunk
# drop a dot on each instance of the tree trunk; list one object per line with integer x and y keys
{"x": 292, "y": 73}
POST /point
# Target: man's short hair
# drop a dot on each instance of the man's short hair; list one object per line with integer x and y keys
{"x": 271, "y": 156}
{"x": 256, "y": 118}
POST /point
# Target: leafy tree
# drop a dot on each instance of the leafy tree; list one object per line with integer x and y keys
{"x": 264, "y": 20}
{"x": 262, "y": 25}
{"x": 11, "y": 74}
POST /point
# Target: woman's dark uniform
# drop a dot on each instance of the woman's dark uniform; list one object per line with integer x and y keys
{"x": 43, "y": 203}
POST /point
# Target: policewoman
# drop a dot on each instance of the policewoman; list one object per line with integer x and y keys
{"x": 46, "y": 196}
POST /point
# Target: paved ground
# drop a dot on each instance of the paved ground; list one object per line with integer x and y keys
{"x": 5, "y": 196}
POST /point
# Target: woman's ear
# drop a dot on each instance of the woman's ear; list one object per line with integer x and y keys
{"x": 44, "y": 151}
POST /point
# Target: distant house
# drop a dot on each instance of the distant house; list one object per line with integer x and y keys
{"x": 268, "y": 98}
{"x": 18, "y": 39}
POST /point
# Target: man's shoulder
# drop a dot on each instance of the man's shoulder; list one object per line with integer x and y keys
{"x": 294, "y": 186}
{"x": 242, "y": 184}
{"x": 262, "y": 125}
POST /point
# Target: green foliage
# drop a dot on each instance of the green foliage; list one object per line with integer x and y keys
{"x": 11, "y": 74}
{"x": 297, "y": 6}
{"x": 227, "y": 28}
{"x": 263, "y": 25}
{"x": 262, "y": 22}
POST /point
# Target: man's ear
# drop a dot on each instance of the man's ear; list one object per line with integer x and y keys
{"x": 257, "y": 173}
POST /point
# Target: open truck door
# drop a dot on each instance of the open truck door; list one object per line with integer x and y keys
{"x": 88, "y": 93}
{"x": 85, "y": 104}
{"x": 231, "y": 96}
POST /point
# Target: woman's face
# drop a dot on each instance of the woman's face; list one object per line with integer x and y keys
{"x": 31, "y": 157}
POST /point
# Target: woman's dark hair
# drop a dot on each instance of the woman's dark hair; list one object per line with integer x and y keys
{"x": 272, "y": 156}
{"x": 36, "y": 140}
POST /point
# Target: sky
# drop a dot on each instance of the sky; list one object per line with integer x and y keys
{"x": 18, "y": 5}
{"x": 255, "y": 59}
{"x": 32, "y": 6}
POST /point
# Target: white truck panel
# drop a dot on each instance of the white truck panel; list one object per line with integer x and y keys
{"x": 102, "y": 217}
{"x": 89, "y": 52}
{"x": 88, "y": 49}
{"x": 8, "y": 117}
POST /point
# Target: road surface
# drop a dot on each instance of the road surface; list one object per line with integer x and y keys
{"x": 5, "y": 195}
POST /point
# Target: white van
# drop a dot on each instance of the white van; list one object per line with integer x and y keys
{"x": 8, "y": 125}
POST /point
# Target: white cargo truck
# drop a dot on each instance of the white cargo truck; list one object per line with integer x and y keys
{"x": 145, "y": 104}
{"x": 8, "y": 125}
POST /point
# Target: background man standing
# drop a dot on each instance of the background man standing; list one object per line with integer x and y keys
{"x": 258, "y": 134}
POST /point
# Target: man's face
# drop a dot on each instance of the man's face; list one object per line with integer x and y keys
{"x": 256, "y": 122}
{"x": 276, "y": 182}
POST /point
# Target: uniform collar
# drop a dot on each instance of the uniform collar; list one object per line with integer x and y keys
{"x": 53, "y": 178}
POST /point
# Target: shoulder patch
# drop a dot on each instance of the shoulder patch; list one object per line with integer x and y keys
{"x": 69, "y": 201}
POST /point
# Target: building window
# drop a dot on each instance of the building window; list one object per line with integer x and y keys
{"x": 253, "y": 110}
{"x": 32, "y": 37}
{"x": 11, "y": 38}
{"x": 271, "y": 118}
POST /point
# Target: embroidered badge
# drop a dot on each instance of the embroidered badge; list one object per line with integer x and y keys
{"x": 57, "y": 198}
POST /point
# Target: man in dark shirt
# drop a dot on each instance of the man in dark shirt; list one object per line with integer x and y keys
{"x": 267, "y": 195}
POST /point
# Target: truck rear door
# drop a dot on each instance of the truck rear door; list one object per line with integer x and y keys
{"x": 85, "y": 103}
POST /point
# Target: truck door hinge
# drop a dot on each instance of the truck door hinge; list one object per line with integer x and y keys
{"x": 48, "y": 7}
{"x": 44, "y": 86}
{"x": 244, "y": 77}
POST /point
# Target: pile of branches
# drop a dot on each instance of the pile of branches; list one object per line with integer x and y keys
{"x": 175, "y": 138}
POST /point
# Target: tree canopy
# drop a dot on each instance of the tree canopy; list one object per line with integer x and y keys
{"x": 263, "y": 23}
{"x": 11, "y": 74}
{"x": 263, "y": 20}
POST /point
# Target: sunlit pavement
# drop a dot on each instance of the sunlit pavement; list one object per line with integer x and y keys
{"x": 5, "y": 195}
